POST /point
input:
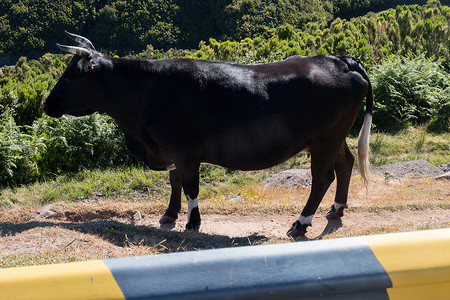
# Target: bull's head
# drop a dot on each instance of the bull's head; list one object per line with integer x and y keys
{"x": 77, "y": 91}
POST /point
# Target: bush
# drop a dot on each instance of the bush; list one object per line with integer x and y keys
{"x": 413, "y": 90}
{"x": 72, "y": 144}
{"x": 16, "y": 150}
{"x": 56, "y": 146}
{"x": 24, "y": 87}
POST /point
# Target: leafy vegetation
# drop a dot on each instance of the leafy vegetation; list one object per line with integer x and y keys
{"x": 405, "y": 49}
{"x": 24, "y": 86}
{"x": 411, "y": 91}
{"x": 53, "y": 147}
{"x": 372, "y": 38}
{"x": 124, "y": 26}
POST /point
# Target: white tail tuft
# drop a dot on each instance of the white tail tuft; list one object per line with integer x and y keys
{"x": 363, "y": 149}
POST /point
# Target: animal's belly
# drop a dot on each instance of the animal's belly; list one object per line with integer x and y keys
{"x": 255, "y": 160}
{"x": 252, "y": 148}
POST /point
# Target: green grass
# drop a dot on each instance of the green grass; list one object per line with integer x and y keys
{"x": 111, "y": 183}
{"x": 409, "y": 144}
{"x": 33, "y": 259}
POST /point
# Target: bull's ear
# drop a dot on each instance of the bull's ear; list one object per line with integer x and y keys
{"x": 81, "y": 40}
{"x": 75, "y": 50}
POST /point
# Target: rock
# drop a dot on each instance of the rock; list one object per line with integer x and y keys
{"x": 290, "y": 179}
{"x": 137, "y": 216}
{"x": 297, "y": 178}
{"x": 445, "y": 176}
{"x": 235, "y": 198}
{"x": 46, "y": 212}
{"x": 415, "y": 168}
{"x": 445, "y": 167}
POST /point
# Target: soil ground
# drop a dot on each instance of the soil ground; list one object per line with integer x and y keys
{"x": 116, "y": 232}
{"x": 69, "y": 232}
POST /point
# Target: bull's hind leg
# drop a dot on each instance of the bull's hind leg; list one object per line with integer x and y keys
{"x": 322, "y": 170}
{"x": 174, "y": 208}
{"x": 343, "y": 167}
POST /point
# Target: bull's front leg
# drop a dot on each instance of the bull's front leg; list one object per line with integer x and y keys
{"x": 174, "y": 208}
{"x": 194, "y": 220}
{"x": 189, "y": 174}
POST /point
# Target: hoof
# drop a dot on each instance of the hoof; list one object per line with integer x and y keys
{"x": 334, "y": 214}
{"x": 297, "y": 230}
{"x": 167, "y": 219}
{"x": 192, "y": 227}
{"x": 194, "y": 220}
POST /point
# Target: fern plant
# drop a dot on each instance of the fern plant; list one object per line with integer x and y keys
{"x": 411, "y": 90}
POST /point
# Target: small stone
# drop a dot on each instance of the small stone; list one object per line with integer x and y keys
{"x": 291, "y": 179}
{"x": 235, "y": 198}
{"x": 445, "y": 176}
{"x": 137, "y": 216}
{"x": 46, "y": 212}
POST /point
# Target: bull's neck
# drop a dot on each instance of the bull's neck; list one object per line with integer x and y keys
{"x": 124, "y": 89}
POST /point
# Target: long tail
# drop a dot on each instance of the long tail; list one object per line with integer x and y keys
{"x": 363, "y": 139}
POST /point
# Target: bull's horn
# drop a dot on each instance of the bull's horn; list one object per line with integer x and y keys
{"x": 80, "y": 40}
{"x": 75, "y": 50}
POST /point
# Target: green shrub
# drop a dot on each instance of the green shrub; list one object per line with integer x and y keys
{"x": 56, "y": 146}
{"x": 16, "y": 150}
{"x": 24, "y": 87}
{"x": 413, "y": 90}
{"x": 73, "y": 144}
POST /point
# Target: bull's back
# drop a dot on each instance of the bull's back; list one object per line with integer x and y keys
{"x": 254, "y": 117}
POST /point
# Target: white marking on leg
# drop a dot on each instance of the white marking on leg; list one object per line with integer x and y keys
{"x": 171, "y": 167}
{"x": 192, "y": 203}
{"x": 305, "y": 220}
{"x": 337, "y": 206}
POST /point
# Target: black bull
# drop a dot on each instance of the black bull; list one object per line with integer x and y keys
{"x": 179, "y": 113}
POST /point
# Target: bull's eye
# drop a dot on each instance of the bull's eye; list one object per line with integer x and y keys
{"x": 88, "y": 68}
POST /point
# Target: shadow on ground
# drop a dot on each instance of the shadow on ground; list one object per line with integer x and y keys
{"x": 122, "y": 235}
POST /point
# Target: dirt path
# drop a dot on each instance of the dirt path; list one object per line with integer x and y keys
{"x": 131, "y": 233}
{"x": 276, "y": 225}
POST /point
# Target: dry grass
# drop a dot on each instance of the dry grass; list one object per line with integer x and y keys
{"x": 56, "y": 244}
{"x": 382, "y": 229}
{"x": 97, "y": 228}
{"x": 382, "y": 194}
{"x": 410, "y": 193}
